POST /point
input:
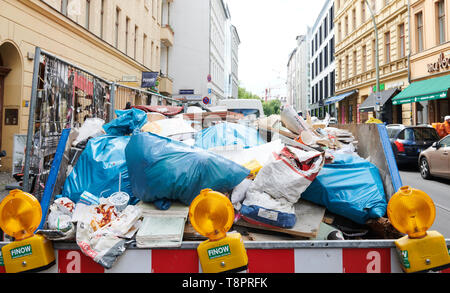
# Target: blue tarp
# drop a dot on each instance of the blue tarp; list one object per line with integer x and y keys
{"x": 163, "y": 170}
{"x": 350, "y": 187}
{"x": 228, "y": 134}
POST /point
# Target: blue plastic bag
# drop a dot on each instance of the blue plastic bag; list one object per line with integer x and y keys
{"x": 98, "y": 168}
{"x": 228, "y": 134}
{"x": 350, "y": 187}
{"x": 127, "y": 122}
{"x": 103, "y": 162}
{"x": 163, "y": 170}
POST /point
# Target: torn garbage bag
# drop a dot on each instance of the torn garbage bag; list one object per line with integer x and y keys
{"x": 350, "y": 187}
{"x": 277, "y": 187}
{"x": 228, "y": 134}
{"x": 162, "y": 170}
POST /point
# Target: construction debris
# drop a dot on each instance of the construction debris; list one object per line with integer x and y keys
{"x": 161, "y": 160}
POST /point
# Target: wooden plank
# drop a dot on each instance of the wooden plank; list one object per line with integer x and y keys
{"x": 309, "y": 217}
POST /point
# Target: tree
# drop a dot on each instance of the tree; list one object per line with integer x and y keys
{"x": 272, "y": 107}
{"x": 244, "y": 94}
{"x": 269, "y": 107}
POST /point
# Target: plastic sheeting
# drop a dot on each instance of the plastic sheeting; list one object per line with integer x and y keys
{"x": 350, "y": 187}
{"x": 164, "y": 170}
{"x": 228, "y": 134}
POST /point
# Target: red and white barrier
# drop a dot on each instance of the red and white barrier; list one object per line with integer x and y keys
{"x": 298, "y": 260}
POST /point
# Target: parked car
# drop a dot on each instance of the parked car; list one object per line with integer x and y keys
{"x": 409, "y": 141}
{"x": 435, "y": 161}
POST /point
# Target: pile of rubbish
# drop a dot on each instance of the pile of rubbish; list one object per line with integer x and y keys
{"x": 131, "y": 181}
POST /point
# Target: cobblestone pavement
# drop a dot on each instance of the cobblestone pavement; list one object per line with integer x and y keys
{"x": 5, "y": 179}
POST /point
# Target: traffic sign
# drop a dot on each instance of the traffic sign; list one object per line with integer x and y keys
{"x": 206, "y": 100}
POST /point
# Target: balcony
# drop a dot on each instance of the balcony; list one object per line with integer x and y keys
{"x": 167, "y": 35}
{"x": 165, "y": 85}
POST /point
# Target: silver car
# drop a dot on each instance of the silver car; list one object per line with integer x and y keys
{"x": 435, "y": 160}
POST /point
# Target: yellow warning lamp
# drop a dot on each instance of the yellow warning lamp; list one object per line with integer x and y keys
{"x": 212, "y": 214}
{"x": 412, "y": 212}
{"x": 20, "y": 216}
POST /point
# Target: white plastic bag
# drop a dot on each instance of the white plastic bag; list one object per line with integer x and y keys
{"x": 92, "y": 127}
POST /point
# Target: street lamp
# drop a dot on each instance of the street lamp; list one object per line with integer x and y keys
{"x": 377, "y": 67}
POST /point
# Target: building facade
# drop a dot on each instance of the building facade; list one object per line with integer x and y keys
{"x": 110, "y": 38}
{"x": 356, "y": 60}
{"x": 232, "y": 42}
{"x": 430, "y": 60}
{"x": 297, "y": 85}
{"x": 198, "y": 57}
{"x": 322, "y": 62}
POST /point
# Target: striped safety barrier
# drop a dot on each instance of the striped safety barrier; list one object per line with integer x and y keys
{"x": 289, "y": 260}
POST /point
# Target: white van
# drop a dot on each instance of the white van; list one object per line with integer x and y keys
{"x": 247, "y": 107}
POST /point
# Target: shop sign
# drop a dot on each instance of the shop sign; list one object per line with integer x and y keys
{"x": 442, "y": 63}
{"x": 149, "y": 79}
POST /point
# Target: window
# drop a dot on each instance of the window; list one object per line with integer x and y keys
{"x": 441, "y": 21}
{"x": 332, "y": 49}
{"x": 364, "y": 58}
{"x": 326, "y": 95}
{"x": 144, "y": 50}
{"x": 331, "y": 17}
{"x": 350, "y": 113}
{"x": 346, "y": 67}
{"x": 419, "y": 32}
{"x": 320, "y": 62}
{"x": 387, "y": 47}
{"x": 363, "y": 11}
{"x": 135, "y": 41}
{"x": 117, "y": 27}
{"x": 88, "y": 12}
{"x": 102, "y": 17}
{"x": 325, "y": 56}
{"x": 127, "y": 25}
{"x": 321, "y": 89}
{"x": 64, "y": 6}
{"x": 346, "y": 26}
{"x": 332, "y": 86}
{"x": 354, "y": 19}
{"x": 354, "y": 63}
{"x": 401, "y": 40}
{"x": 340, "y": 31}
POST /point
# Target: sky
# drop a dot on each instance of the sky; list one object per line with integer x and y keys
{"x": 268, "y": 31}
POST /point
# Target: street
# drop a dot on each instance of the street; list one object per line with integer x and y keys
{"x": 438, "y": 189}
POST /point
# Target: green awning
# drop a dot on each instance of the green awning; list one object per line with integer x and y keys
{"x": 424, "y": 90}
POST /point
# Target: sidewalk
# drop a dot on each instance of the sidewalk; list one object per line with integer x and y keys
{"x": 5, "y": 179}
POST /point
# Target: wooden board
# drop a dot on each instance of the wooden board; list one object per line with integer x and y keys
{"x": 309, "y": 217}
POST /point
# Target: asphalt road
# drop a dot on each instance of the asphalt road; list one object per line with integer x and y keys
{"x": 438, "y": 189}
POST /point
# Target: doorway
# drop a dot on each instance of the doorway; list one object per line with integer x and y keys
{"x": 11, "y": 80}
{"x": 3, "y": 73}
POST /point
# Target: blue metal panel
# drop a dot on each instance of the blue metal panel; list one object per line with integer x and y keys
{"x": 390, "y": 158}
{"x": 53, "y": 175}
